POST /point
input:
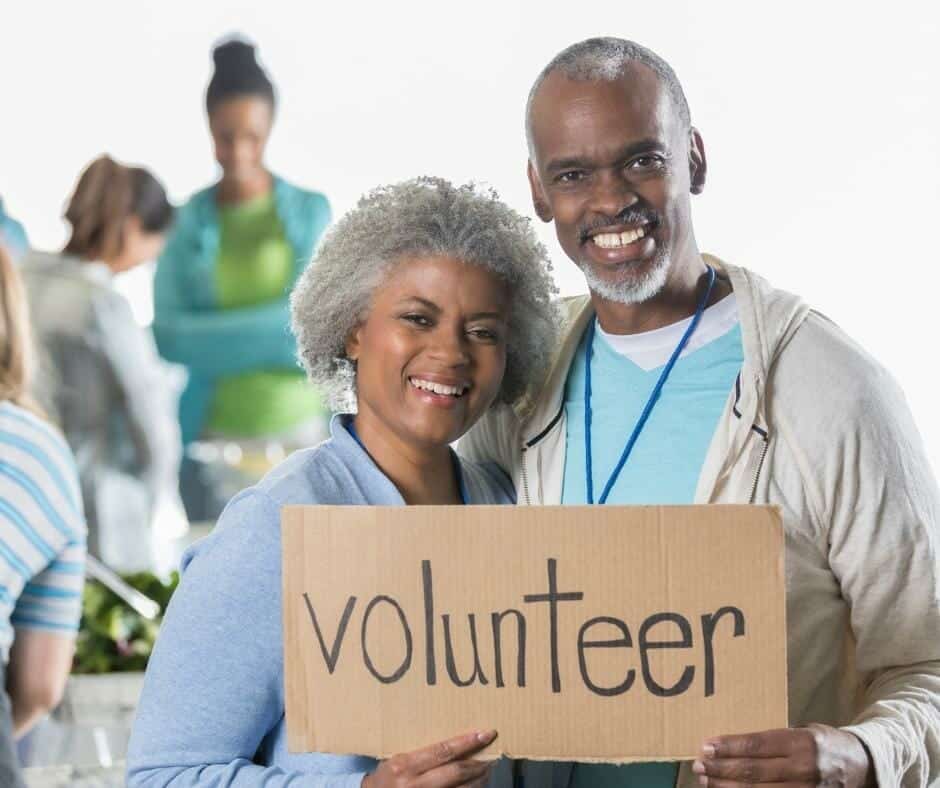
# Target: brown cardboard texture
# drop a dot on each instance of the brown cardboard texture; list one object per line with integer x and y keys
{"x": 588, "y": 633}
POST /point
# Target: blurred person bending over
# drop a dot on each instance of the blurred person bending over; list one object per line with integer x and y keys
{"x": 221, "y": 293}
{"x": 101, "y": 376}
{"x": 42, "y": 541}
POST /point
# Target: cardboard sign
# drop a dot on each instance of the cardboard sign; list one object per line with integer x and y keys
{"x": 589, "y": 633}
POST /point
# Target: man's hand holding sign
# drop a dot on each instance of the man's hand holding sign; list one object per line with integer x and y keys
{"x": 788, "y": 756}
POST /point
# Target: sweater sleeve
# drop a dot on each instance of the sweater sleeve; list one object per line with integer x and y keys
{"x": 885, "y": 553}
{"x": 40, "y": 489}
{"x": 210, "y": 341}
{"x": 213, "y": 693}
{"x": 312, "y": 220}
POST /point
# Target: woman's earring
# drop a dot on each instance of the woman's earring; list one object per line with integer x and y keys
{"x": 346, "y": 369}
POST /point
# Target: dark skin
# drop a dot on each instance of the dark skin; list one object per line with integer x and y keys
{"x": 240, "y": 128}
{"x": 602, "y": 148}
{"x": 434, "y": 320}
{"x": 603, "y": 151}
{"x": 446, "y": 764}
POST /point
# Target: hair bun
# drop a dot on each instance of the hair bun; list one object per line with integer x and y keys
{"x": 234, "y": 54}
{"x": 237, "y": 73}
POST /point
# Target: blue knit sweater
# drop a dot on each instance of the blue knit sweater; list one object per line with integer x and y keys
{"x": 212, "y": 709}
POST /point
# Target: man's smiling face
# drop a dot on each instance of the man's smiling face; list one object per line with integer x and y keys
{"x": 613, "y": 165}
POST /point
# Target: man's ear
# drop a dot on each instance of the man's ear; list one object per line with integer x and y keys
{"x": 542, "y": 209}
{"x": 697, "y": 164}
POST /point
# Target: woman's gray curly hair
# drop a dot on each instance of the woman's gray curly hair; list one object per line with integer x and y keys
{"x": 422, "y": 217}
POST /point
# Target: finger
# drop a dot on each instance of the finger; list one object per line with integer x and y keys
{"x": 434, "y": 755}
{"x": 455, "y": 773}
{"x": 757, "y": 770}
{"x": 780, "y": 743}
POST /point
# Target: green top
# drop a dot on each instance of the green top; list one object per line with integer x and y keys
{"x": 255, "y": 266}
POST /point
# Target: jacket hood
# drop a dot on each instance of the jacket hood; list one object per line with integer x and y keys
{"x": 769, "y": 317}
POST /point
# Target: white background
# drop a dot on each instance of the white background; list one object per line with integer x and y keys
{"x": 821, "y": 123}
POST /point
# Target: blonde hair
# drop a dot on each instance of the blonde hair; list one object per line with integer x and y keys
{"x": 16, "y": 349}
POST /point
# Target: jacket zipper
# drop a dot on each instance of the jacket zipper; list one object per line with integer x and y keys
{"x": 525, "y": 478}
{"x": 760, "y": 464}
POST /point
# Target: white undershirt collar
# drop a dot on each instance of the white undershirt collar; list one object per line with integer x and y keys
{"x": 651, "y": 349}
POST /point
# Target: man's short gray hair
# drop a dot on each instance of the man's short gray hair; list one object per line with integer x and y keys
{"x": 605, "y": 60}
{"x": 420, "y": 218}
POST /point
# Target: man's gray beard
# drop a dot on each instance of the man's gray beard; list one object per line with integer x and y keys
{"x": 632, "y": 290}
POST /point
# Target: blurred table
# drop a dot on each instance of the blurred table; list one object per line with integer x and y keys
{"x": 75, "y": 776}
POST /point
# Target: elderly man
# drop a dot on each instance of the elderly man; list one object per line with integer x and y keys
{"x": 682, "y": 379}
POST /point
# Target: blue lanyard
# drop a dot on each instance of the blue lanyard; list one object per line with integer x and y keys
{"x": 461, "y": 486}
{"x": 648, "y": 408}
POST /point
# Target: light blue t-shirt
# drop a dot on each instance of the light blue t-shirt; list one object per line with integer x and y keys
{"x": 666, "y": 460}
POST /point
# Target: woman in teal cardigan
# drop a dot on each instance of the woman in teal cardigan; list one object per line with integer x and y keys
{"x": 222, "y": 283}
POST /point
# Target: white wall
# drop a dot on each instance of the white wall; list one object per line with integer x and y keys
{"x": 820, "y": 120}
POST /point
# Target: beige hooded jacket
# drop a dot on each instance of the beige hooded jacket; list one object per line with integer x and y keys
{"x": 818, "y": 428}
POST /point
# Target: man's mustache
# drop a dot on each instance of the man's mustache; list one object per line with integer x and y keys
{"x": 631, "y": 215}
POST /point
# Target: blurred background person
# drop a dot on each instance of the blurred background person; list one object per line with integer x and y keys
{"x": 42, "y": 540}
{"x": 12, "y": 235}
{"x": 100, "y": 375}
{"x": 222, "y": 283}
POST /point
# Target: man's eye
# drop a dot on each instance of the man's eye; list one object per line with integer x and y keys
{"x": 570, "y": 176}
{"x": 646, "y": 163}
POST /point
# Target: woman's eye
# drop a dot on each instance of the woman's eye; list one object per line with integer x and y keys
{"x": 484, "y": 334}
{"x": 418, "y": 320}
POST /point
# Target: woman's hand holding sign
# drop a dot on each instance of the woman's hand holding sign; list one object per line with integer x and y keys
{"x": 445, "y": 764}
{"x": 814, "y": 755}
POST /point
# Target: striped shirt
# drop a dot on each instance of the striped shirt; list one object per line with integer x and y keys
{"x": 42, "y": 528}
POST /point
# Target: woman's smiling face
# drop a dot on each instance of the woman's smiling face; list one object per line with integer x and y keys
{"x": 431, "y": 353}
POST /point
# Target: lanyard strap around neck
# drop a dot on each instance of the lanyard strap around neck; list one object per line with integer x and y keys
{"x": 647, "y": 409}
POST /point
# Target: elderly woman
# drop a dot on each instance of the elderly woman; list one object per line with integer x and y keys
{"x": 425, "y": 305}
